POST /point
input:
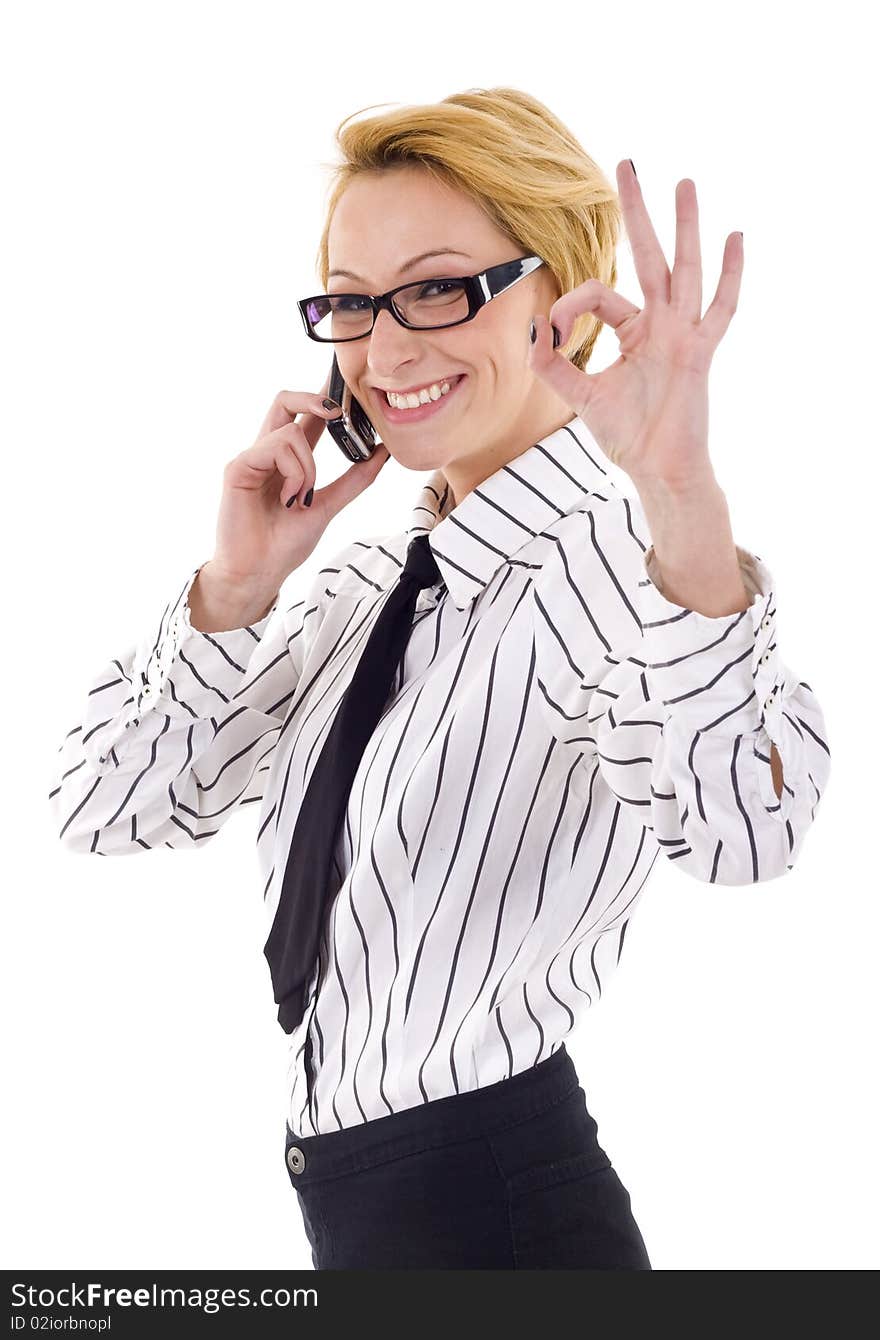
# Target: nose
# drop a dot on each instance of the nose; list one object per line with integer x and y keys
{"x": 389, "y": 345}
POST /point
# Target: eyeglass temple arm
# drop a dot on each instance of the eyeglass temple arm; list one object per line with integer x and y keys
{"x": 496, "y": 281}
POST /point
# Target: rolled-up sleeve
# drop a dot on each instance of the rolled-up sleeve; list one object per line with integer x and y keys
{"x": 679, "y": 709}
{"x": 174, "y": 734}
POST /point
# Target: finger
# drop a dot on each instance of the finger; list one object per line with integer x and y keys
{"x": 572, "y": 385}
{"x": 286, "y": 406}
{"x": 297, "y": 446}
{"x": 648, "y": 258}
{"x": 359, "y": 475}
{"x": 591, "y": 296}
{"x": 723, "y": 305}
{"x": 686, "y": 282}
{"x": 284, "y": 450}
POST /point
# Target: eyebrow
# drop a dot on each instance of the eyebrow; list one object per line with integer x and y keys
{"x": 440, "y": 251}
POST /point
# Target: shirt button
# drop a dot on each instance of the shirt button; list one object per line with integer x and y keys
{"x": 296, "y": 1159}
{"x": 765, "y": 623}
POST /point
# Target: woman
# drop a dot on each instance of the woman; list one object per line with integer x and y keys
{"x": 581, "y": 680}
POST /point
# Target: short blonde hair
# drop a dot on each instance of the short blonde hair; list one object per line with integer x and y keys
{"x": 510, "y": 153}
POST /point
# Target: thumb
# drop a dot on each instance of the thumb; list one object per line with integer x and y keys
{"x": 359, "y": 476}
{"x": 570, "y": 383}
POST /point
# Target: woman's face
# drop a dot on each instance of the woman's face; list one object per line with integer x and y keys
{"x": 383, "y": 220}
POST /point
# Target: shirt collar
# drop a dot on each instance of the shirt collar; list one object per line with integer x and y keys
{"x": 471, "y": 540}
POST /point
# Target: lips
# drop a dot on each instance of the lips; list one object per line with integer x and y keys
{"x": 455, "y": 377}
{"x": 421, "y": 412}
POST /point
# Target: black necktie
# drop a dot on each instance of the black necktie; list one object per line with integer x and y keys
{"x": 293, "y": 944}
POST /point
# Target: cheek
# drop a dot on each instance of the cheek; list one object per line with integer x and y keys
{"x": 493, "y": 352}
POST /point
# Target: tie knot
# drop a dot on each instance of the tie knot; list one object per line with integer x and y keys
{"x": 421, "y": 565}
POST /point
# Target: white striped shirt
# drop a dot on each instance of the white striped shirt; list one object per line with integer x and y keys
{"x": 555, "y": 724}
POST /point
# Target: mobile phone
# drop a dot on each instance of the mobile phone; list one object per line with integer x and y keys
{"x": 352, "y": 430}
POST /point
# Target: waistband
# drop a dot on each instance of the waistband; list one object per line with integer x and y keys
{"x": 442, "y": 1121}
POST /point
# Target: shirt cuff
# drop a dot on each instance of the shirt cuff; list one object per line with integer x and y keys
{"x": 719, "y": 673}
{"x": 215, "y": 662}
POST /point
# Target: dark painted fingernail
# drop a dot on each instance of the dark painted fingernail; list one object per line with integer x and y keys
{"x": 290, "y": 501}
{"x": 307, "y": 500}
{"x": 330, "y": 404}
{"x": 633, "y": 166}
{"x": 533, "y": 334}
{"x": 557, "y": 338}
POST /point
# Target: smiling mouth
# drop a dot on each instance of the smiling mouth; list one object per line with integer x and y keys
{"x": 424, "y": 410}
{"x": 452, "y": 382}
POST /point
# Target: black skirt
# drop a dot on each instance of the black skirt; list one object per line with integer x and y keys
{"x": 506, "y": 1177}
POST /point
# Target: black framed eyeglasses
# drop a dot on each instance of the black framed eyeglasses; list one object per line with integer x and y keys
{"x": 429, "y": 304}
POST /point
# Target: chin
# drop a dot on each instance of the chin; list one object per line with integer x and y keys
{"x": 412, "y": 456}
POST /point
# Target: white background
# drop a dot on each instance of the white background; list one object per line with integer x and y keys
{"x": 165, "y": 190}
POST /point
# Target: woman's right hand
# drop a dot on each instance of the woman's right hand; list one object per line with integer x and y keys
{"x": 259, "y": 540}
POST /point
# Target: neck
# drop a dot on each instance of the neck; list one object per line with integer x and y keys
{"x": 465, "y": 473}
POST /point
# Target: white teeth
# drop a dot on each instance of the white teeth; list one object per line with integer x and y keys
{"x": 415, "y": 398}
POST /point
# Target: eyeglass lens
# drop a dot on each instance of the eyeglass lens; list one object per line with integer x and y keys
{"x": 431, "y": 302}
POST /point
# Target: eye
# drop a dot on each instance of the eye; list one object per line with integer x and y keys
{"x": 348, "y": 302}
{"x": 440, "y": 286}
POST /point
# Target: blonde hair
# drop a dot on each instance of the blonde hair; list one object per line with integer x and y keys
{"x": 508, "y": 152}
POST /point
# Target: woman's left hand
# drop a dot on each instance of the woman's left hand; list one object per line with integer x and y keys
{"x": 649, "y": 411}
